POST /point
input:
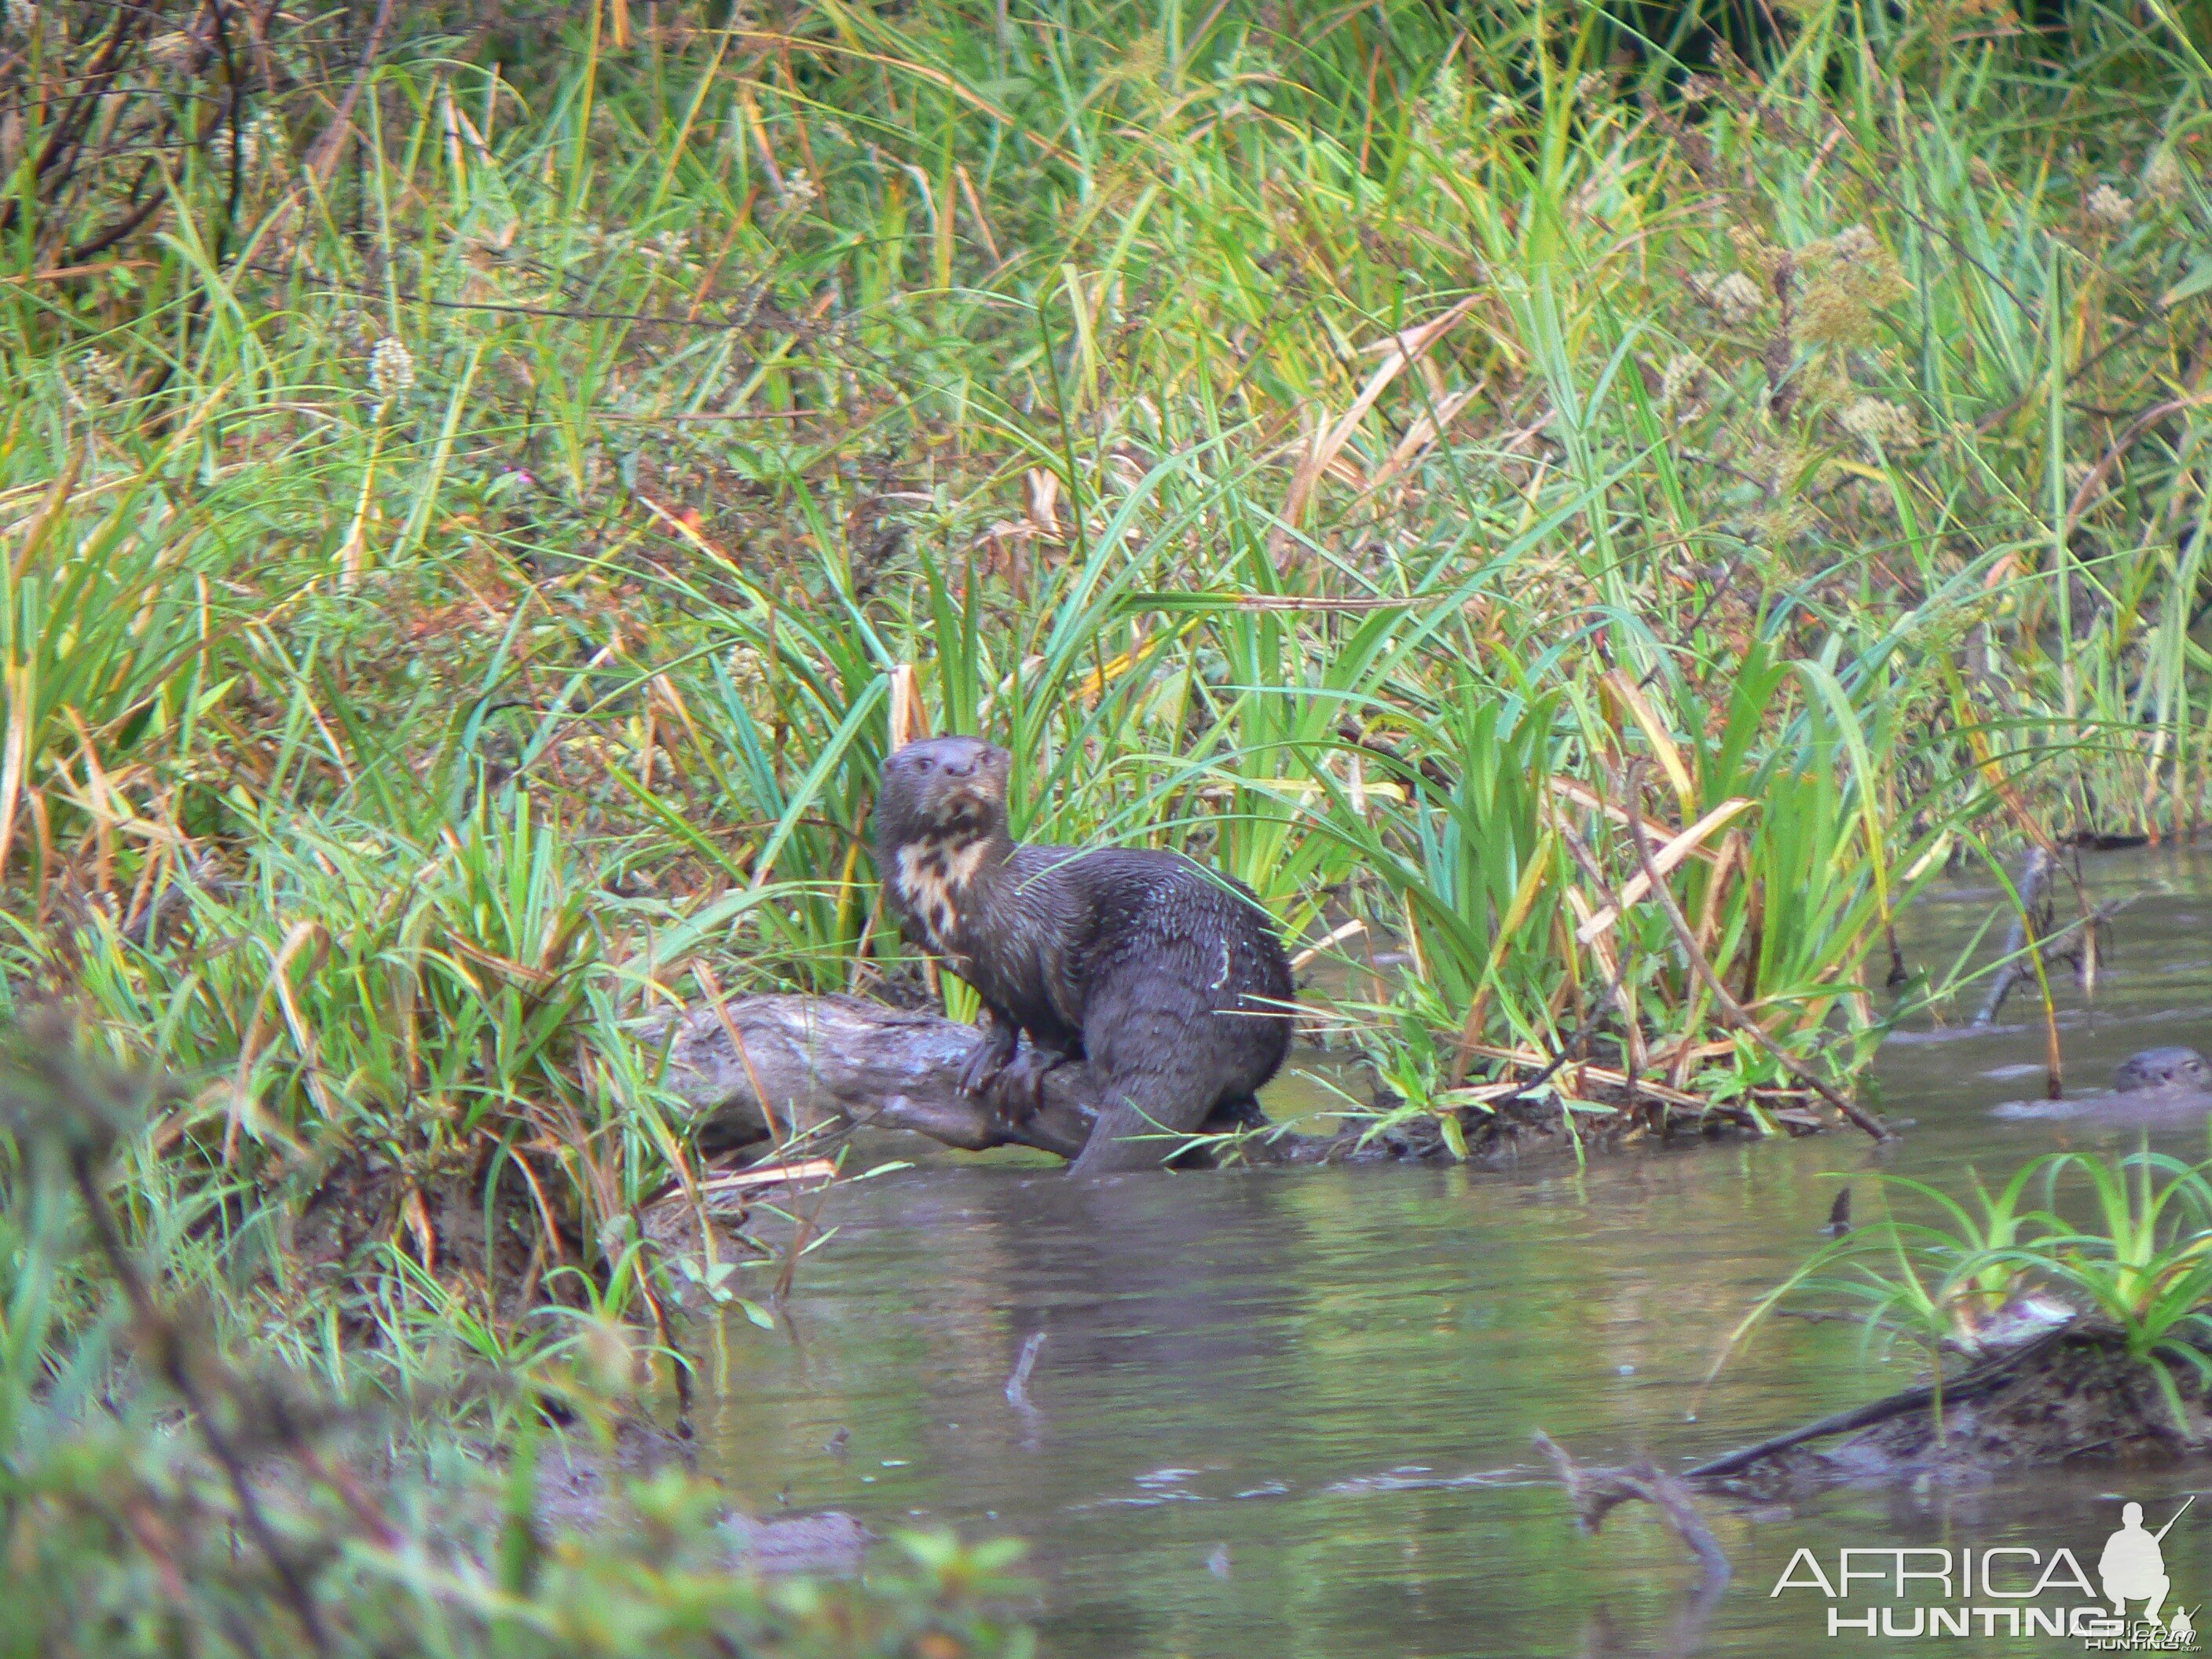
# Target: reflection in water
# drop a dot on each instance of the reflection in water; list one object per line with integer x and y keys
{"x": 1288, "y": 1411}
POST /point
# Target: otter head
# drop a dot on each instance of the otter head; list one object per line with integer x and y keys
{"x": 940, "y": 816}
{"x": 2163, "y": 1068}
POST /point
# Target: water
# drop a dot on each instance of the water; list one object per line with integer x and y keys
{"x": 1288, "y": 1412}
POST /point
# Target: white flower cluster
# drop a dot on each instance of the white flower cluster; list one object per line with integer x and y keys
{"x": 1855, "y": 245}
{"x": 100, "y": 374}
{"x": 2108, "y": 210}
{"x": 2162, "y": 175}
{"x": 391, "y": 367}
{"x": 1684, "y": 371}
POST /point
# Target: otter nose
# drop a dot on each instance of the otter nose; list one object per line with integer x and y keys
{"x": 960, "y": 766}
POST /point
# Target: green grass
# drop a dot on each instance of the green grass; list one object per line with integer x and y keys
{"x": 449, "y": 593}
{"x": 1740, "y": 465}
{"x": 455, "y": 582}
{"x": 181, "y": 1474}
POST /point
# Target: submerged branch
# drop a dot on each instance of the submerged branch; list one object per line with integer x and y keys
{"x": 1596, "y": 1492}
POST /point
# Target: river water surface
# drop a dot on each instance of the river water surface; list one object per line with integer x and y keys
{"x": 1287, "y": 1413}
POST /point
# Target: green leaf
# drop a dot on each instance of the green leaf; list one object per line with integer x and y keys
{"x": 2198, "y": 280}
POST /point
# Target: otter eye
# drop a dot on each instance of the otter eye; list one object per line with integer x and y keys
{"x": 922, "y": 762}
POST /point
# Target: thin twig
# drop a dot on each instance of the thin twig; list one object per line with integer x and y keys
{"x": 774, "y": 318}
{"x": 2120, "y": 446}
{"x": 2023, "y": 935}
{"x": 1018, "y": 1382}
{"x": 323, "y": 160}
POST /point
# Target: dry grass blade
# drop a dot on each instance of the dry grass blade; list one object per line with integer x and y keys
{"x": 1667, "y": 859}
{"x": 1730, "y": 1008}
{"x": 1401, "y": 351}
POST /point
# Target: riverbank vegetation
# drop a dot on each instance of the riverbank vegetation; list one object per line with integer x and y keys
{"x": 2067, "y": 1314}
{"x": 1582, "y": 540}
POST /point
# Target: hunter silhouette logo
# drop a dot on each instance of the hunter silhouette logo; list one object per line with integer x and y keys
{"x": 2133, "y": 1566}
{"x": 2005, "y": 1589}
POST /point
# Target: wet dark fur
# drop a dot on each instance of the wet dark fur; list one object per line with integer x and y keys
{"x": 1155, "y": 973}
{"x": 2163, "y": 1068}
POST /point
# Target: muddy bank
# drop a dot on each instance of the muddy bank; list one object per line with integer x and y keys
{"x": 2073, "y": 1395}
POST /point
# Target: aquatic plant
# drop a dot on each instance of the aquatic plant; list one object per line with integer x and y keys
{"x": 2145, "y": 1261}
{"x": 1980, "y": 1280}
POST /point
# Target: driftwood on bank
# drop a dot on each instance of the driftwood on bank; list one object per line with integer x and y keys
{"x": 779, "y": 1068}
{"x": 764, "y": 1067}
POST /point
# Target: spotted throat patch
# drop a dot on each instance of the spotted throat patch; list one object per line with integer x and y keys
{"x": 932, "y": 874}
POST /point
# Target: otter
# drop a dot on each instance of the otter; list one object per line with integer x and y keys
{"x": 2150, "y": 1087}
{"x": 2162, "y": 1068}
{"x": 1166, "y": 980}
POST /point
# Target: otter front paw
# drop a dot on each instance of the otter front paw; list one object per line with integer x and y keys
{"x": 1018, "y": 1093}
{"x": 988, "y": 1058}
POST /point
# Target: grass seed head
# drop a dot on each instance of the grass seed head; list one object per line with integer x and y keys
{"x": 2163, "y": 179}
{"x": 1882, "y": 426}
{"x": 800, "y": 192}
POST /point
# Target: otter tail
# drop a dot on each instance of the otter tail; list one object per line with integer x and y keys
{"x": 1139, "y": 1130}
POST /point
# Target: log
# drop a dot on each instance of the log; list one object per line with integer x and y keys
{"x": 759, "y": 1067}
{"x": 2071, "y": 1394}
